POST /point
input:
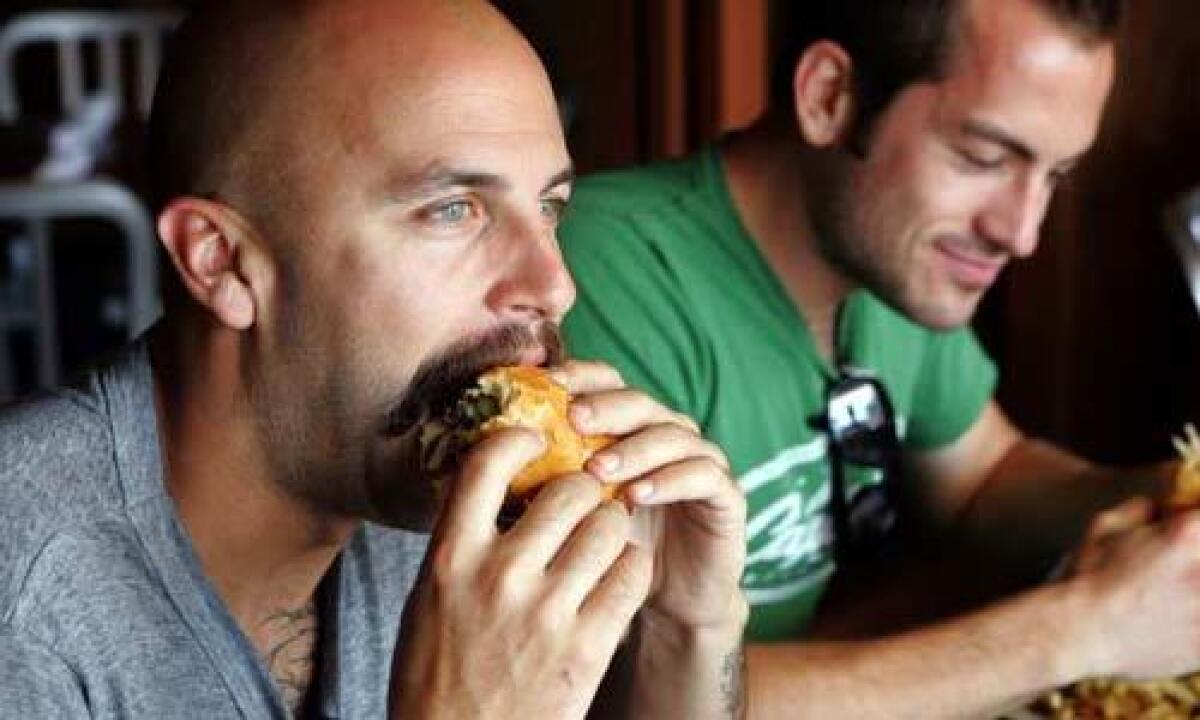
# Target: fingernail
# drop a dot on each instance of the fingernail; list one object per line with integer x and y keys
{"x": 641, "y": 492}
{"x": 581, "y": 412}
{"x": 606, "y": 463}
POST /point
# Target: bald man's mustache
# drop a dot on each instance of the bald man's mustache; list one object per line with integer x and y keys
{"x": 441, "y": 379}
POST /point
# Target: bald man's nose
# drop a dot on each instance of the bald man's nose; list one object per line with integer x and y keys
{"x": 536, "y": 284}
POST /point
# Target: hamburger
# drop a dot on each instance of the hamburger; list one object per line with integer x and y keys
{"x": 509, "y": 397}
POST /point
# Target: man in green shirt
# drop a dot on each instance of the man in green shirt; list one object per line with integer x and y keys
{"x": 911, "y": 151}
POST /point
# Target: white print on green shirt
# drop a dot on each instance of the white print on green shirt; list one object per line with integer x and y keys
{"x": 790, "y": 531}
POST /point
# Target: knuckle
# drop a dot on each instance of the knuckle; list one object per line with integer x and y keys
{"x": 506, "y": 585}
{"x": 1099, "y": 522}
{"x": 714, "y": 467}
{"x": 1104, "y": 523}
{"x": 633, "y": 581}
{"x": 625, "y": 585}
{"x": 1186, "y": 530}
{"x": 551, "y": 618}
{"x": 576, "y": 489}
{"x": 641, "y": 571}
{"x": 590, "y": 655}
{"x": 611, "y": 373}
{"x": 609, "y": 523}
{"x": 668, "y": 433}
{"x": 717, "y": 454}
{"x": 687, "y": 422}
{"x": 737, "y": 501}
{"x": 484, "y": 455}
{"x": 447, "y": 565}
{"x": 714, "y": 475}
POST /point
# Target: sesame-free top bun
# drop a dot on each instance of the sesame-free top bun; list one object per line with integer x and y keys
{"x": 518, "y": 396}
{"x": 537, "y": 402}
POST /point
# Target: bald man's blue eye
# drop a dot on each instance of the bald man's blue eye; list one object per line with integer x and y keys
{"x": 451, "y": 213}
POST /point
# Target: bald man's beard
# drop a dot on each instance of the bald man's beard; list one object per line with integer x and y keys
{"x": 367, "y": 465}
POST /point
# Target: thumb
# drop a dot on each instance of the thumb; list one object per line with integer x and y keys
{"x": 1110, "y": 524}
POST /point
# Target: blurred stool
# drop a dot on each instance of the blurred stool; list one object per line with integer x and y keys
{"x": 69, "y": 32}
{"x": 34, "y": 209}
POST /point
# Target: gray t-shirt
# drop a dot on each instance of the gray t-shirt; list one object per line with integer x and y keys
{"x": 104, "y": 609}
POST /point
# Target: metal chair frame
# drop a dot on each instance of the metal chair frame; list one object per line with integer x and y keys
{"x": 69, "y": 32}
{"x": 36, "y": 206}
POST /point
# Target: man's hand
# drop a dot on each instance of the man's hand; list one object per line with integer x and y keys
{"x": 524, "y": 624}
{"x": 1137, "y": 590}
{"x": 689, "y": 512}
{"x": 687, "y": 508}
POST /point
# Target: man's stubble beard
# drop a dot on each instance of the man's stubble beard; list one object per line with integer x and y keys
{"x": 305, "y": 420}
{"x": 841, "y": 239}
{"x": 842, "y": 224}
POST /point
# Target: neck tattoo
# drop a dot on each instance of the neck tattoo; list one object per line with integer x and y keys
{"x": 291, "y": 652}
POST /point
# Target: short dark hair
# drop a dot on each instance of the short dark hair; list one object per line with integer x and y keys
{"x": 895, "y": 43}
{"x": 218, "y": 82}
{"x": 220, "y": 75}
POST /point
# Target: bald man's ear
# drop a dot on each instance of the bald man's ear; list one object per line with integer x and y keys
{"x": 823, "y": 92}
{"x": 207, "y": 243}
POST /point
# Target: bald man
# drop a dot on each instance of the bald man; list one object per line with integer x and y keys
{"x": 358, "y": 199}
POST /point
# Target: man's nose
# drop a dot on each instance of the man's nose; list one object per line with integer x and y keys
{"x": 535, "y": 284}
{"x": 1013, "y": 219}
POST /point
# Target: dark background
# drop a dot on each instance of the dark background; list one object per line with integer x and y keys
{"x": 1096, "y": 337}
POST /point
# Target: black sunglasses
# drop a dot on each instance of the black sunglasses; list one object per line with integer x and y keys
{"x": 861, "y": 426}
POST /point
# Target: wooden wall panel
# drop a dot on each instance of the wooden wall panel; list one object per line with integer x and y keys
{"x": 742, "y": 58}
{"x": 653, "y": 78}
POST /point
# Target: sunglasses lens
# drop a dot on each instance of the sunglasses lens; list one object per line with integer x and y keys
{"x": 863, "y": 434}
{"x": 859, "y": 422}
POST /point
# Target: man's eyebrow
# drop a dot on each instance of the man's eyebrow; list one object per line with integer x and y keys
{"x": 986, "y": 131}
{"x": 438, "y": 178}
{"x": 991, "y": 133}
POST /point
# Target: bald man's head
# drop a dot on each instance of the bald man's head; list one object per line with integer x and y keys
{"x": 354, "y": 194}
{"x": 242, "y": 79}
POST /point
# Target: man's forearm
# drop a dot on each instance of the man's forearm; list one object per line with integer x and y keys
{"x": 688, "y": 672}
{"x": 1051, "y": 495}
{"x": 973, "y": 667}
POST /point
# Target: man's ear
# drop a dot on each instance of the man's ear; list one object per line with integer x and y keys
{"x": 823, "y": 93}
{"x": 207, "y": 244}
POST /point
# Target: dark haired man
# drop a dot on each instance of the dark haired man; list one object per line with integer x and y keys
{"x": 802, "y": 289}
{"x": 358, "y": 199}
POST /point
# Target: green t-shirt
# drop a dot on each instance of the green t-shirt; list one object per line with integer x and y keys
{"x": 674, "y": 293}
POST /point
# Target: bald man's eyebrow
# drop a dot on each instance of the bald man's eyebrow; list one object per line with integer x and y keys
{"x": 438, "y": 179}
